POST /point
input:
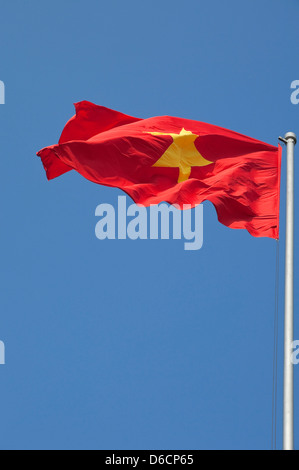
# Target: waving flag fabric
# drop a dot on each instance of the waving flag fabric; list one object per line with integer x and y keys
{"x": 176, "y": 160}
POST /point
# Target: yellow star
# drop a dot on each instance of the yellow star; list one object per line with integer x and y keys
{"x": 182, "y": 153}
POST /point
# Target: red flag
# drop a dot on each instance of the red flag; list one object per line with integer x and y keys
{"x": 174, "y": 160}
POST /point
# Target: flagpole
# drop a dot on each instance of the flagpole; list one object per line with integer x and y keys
{"x": 288, "y": 387}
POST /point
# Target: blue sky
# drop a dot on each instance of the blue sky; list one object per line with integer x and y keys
{"x": 137, "y": 344}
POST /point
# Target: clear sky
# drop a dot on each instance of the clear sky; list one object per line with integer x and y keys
{"x": 137, "y": 344}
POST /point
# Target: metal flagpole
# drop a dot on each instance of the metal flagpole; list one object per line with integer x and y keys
{"x": 288, "y": 387}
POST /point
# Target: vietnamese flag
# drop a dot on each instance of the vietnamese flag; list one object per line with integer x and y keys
{"x": 174, "y": 160}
